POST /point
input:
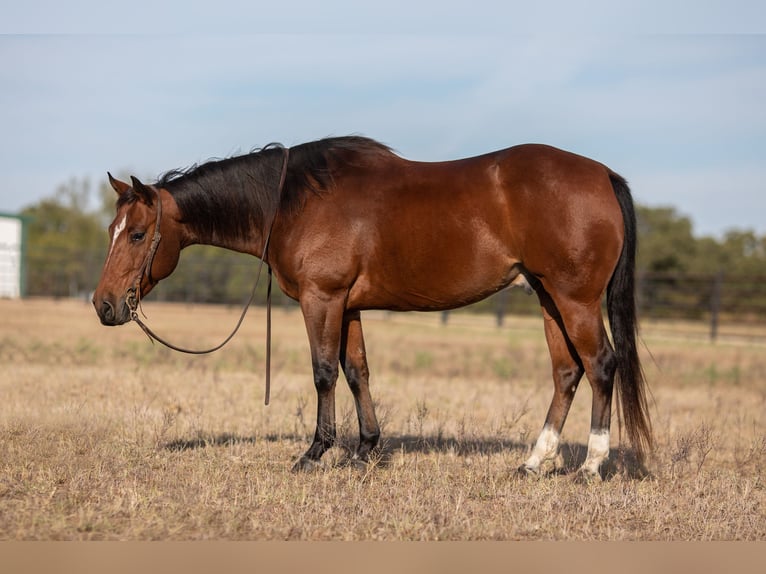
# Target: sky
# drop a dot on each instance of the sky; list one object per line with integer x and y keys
{"x": 670, "y": 95}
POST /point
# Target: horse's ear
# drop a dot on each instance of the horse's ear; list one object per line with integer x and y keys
{"x": 144, "y": 192}
{"x": 119, "y": 186}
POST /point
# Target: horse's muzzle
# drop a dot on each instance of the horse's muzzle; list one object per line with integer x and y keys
{"x": 110, "y": 313}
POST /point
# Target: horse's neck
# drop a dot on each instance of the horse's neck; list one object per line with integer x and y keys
{"x": 252, "y": 244}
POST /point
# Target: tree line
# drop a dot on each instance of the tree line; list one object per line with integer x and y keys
{"x": 67, "y": 242}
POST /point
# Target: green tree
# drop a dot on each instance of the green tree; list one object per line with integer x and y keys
{"x": 744, "y": 253}
{"x": 666, "y": 242}
{"x": 65, "y": 248}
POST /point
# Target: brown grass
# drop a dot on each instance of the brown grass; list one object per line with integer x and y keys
{"x": 105, "y": 436}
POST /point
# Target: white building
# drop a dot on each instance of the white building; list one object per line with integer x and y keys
{"x": 11, "y": 256}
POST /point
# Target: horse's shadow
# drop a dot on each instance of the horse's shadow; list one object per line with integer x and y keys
{"x": 621, "y": 461}
{"x": 204, "y": 441}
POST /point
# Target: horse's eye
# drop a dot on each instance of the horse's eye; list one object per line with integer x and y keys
{"x": 137, "y": 236}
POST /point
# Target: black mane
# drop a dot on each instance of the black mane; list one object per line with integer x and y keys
{"x": 226, "y": 199}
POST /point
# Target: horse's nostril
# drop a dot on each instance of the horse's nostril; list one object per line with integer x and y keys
{"x": 107, "y": 311}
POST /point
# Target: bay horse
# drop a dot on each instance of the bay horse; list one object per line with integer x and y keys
{"x": 350, "y": 226}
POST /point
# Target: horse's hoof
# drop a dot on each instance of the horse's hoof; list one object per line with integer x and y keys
{"x": 306, "y": 465}
{"x": 586, "y": 476}
{"x": 357, "y": 463}
{"x": 525, "y": 471}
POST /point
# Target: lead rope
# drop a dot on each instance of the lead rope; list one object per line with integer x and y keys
{"x": 268, "y": 340}
{"x": 133, "y": 298}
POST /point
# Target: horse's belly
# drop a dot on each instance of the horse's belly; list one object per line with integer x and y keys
{"x": 436, "y": 285}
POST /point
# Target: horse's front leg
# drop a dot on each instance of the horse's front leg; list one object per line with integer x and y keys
{"x": 324, "y": 317}
{"x": 353, "y": 359}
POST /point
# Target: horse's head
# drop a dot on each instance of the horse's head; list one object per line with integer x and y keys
{"x": 145, "y": 245}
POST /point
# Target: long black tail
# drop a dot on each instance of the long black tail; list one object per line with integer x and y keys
{"x": 621, "y": 307}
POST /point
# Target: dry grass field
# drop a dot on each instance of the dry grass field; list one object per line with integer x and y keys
{"x": 104, "y": 436}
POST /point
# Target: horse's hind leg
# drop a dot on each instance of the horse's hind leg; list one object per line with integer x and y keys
{"x": 353, "y": 360}
{"x": 567, "y": 372}
{"x": 585, "y": 329}
{"x": 600, "y": 369}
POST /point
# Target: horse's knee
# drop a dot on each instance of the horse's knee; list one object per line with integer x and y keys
{"x": 355, "y": 377}
{"x": 325, "y": 375}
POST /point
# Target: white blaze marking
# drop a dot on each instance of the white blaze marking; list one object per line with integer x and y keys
{"x": 546, "y": 447}
{"x": 117, "y": 230}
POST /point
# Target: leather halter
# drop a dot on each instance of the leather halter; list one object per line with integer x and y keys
{"x": 133, "y": 295}
{"x": 133, "y": 298}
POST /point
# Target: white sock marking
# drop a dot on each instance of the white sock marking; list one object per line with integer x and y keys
{"x": 598, "y": 451}
{"x": 546, "y": 447}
